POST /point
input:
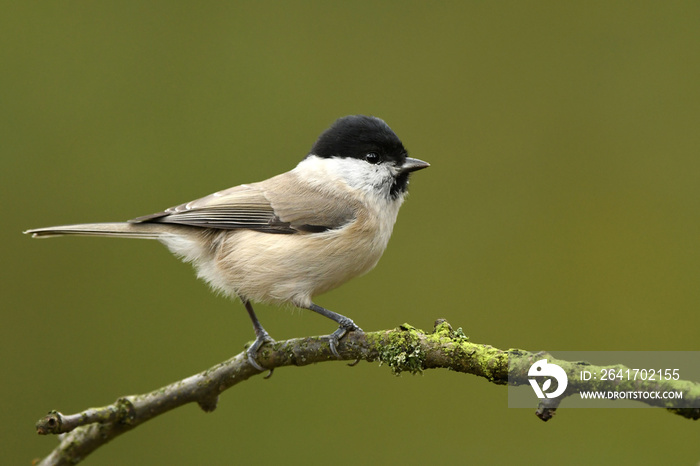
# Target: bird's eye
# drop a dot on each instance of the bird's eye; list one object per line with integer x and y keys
{"x": 372, "y": 157}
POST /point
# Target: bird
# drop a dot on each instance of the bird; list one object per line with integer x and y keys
{"x": 291, "y": 237}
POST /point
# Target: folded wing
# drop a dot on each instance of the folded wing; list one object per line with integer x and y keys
{"x": 277, "y": 205}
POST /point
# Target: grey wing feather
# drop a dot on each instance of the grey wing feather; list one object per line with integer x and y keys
{"x": 272, "y": 206}
{"x": 311, "y": 209}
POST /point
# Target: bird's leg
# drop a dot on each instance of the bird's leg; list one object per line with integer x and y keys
{"x": 346, "y": 325}
{"x": 261, "y": 337}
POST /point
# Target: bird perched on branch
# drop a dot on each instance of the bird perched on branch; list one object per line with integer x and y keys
{"x": 292, "y": 236}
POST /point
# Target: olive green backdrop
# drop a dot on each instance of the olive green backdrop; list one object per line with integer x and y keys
{"x": 561, "y": 212}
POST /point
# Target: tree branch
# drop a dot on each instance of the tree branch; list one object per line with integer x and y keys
{"x": 402, "y": 349}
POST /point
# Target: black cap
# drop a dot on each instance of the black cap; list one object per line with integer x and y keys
{"x": 355, "y": 136}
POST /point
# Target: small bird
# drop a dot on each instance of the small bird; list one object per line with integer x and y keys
{"x": 292, "y": 236}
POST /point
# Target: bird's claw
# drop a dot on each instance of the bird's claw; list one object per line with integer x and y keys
{"x": 252, "y": 352}
{"x": 335, "y": 337}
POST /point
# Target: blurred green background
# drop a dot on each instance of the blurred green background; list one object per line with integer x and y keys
{"x": 561, "y": 212}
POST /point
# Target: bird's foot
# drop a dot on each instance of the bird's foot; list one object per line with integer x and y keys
{"x": 252, "y": 350}
{"x": 346, "y": 325}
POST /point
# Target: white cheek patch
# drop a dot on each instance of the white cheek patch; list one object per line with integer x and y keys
{"x": 356, "y": 173}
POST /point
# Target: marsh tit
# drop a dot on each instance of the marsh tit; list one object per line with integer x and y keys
{"x": 292, "y": 236}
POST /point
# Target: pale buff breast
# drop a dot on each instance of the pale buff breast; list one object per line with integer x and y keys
{"x": 306, "y": 265}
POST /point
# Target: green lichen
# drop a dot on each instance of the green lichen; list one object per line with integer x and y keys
{"x": 443, "y": 329}
{"x": 459, "y": 334}
{"x": 402, "y": 351}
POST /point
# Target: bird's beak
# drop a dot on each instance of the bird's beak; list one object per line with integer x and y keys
{"x": 411, "y": 165}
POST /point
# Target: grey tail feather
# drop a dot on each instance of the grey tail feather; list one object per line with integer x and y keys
{"x": 120, "y": 230}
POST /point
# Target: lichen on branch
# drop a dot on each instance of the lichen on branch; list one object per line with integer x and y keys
{"x": 403, "y": 349}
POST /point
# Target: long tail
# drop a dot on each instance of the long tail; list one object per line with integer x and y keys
{"x": 120, "y": 230}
